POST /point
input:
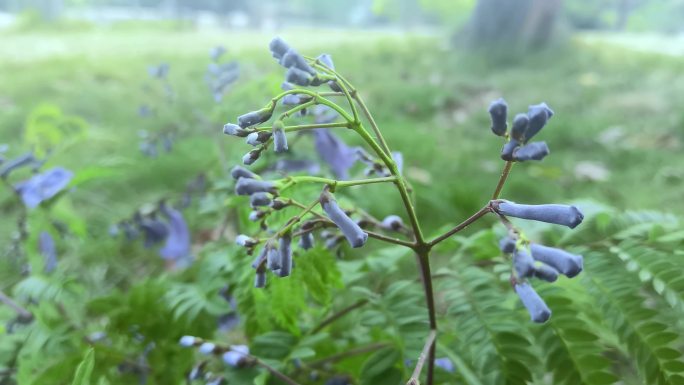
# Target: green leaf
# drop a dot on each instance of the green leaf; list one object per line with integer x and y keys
{"x": 379, "y": 362}
{"x": 85, "y": 369}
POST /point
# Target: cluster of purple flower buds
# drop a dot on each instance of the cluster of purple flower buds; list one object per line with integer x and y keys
{"x": 531, "y": 260}
{"x": 234, "y": 355}
{"x": 150, "y": 143}
{"x": 525, "y": 126}
{"x": 220, "y": 76}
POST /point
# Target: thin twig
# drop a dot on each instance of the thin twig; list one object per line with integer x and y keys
{"x": 502, "y": 179}
{"x": 350, "y": 353}
{"x": 482, "y": 212}
{"x": 338, "y": 315}
{"x": 429, "y": 344}
{"x": 15, "y": 306}
{"x": 423, "y": 257}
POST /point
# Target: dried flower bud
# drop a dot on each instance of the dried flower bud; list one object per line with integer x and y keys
{"x": 546, "y": 273}
{"x": 279, "y": 137}
{"x": 246, "y": 186}
{"x": 259, "y": 199}
{"x": 298, "y": 77}
{"x": 279, "y": 204}
{"x": 306, "y": 240}
{"x": 392, "y": 222}
{"x": 498, "y": 110}
{"x": 234, "y": 130}
{"x": 285, "y": 251}
{"x": 245, "y": 241}
{"x": 508, "y": 149}
{"x": 292, "y": 59}
{"x": 258, "y": 138}
{"x": 523, "y": 263}
{"x": 278, "y": 47}
{"x": 255, "y": 117}
{"x": 507, "y": 245}
{"x": 567, "y": 264}
{"x": 240, "y": 172}
{"x": 207, "y": 348}
{"x": 539, "y": 114}
{"x": 520, "y": 123}
{"x": 188, "y": 341}
{"x": 538, "y": 310}
{"x": 557, "y": 214}
{"x": 251, "y": 156}
{"x": 354, "y": 234}
{"x": 531, "y": 151}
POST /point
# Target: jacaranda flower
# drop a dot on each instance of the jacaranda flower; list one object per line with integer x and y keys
{"x": 335, "y": 152}
{"x": 44, "y": 186}
{"x": 177, "y": 247}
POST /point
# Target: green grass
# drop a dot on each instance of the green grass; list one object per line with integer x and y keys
{"x": 430, "y": 101}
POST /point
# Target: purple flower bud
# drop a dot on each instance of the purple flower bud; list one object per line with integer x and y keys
{"x": 207, "y": 348}
{"x": 538, "y": 310}
{"x": 236, "y": 356}
{"x": 255, "y": 117}
{"x": 246, "y": 186}
{"x": 44, "y": 186}
{"x": 279, "y": 204}
{"x": 539, "y": 114}
{"x": 306, "y": 241}
{"x": 245, "y": 241}
{"x": 46, "y": 245}
{"x": 531, "y": 151}
{"x": 567, "y": 264}
{"x": 251, "y": 157}
{"x": 257, "y": 138}
{"x": 298, "y": 77}
{"x": 187, "y": 341}
{"x": 278, "y": 47}
{"x": 333, "y": 241}
{"x": 523, "y": 263}
{"x": 285, "y": 251}
{"x": 399, "y": 160}
{"x": 507, "y": 245}
{"x": 272, "y": 257}
{"x": 279, "y": 137}
{"x": 292, "y": 59}
{"x": 256, "y": 215}
{"x": 445, "y": 364}
{"x": 154, "y": 230}
{"x": 557, "y": 214}
{"x": 258, "y": 261}
{"x": 259, "y": 199}
{"x": 259, "y": 281}
{"x": 392, "y": 222}
{"x": 498, "y": 110}
{"x": 324, "y": 114}
{"x": 234, "y": 130}
{"x": 177, "y": 246}
{"x": 240, "y": 172}
{"x": 546, "y": 273}
{"x": 20, "y": 161}
{"x": 520, "y": 123}
{"x": 291, "y": 100}
{"x": 508, "y": 149}
{"x": 354, "y": 234}
{"x": 216, "y": 52}
{"x": 326, "y": 60}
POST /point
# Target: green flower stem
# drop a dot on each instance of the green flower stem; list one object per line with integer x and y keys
{"x": 291, "y": 181}
{"x": 316, "y": 98}
{"x": 294, "y": 220}
{"x": 314, "y": 126}
{"x": 319, "y": 65}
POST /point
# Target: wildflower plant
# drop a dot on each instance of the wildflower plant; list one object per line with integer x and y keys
{"x": 313, "y": 84}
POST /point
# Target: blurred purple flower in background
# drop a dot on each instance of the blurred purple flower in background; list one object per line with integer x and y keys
{"x": 335, "y": 152}
{"x": 46, "y": 245}
{"x": 177, "y": 247}
{"x": 445, "y": 364}
{"x": 44, "y": 186}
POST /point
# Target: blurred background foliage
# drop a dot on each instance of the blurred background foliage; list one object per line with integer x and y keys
{"x": 73, "y": 83}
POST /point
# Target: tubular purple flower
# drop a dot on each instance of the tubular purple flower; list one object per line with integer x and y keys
{"x": 207, "y": 348}
{"x": 245, "y": 241}
{"x": 326, "y": 60}
{"x": 399, "y": 160}
{"x": 566, "y": 263}
{"x": 306, "y": 241}
{"x": 177, "y": 245}
{"x": 292, "y": 59}
{"x": 44, "y": 186}
{"x": 298, "y": 77}
{"x": 46, "y": 245}
{"x": 334, "y": 152}
{"x": 246, "y": 186}
{"x": 258, "y": 261}
{"x": 272, "y": 258}
{"x": 508, "y": 149}
{"x": 546, "y": 273}
{"x": 256, "y": 215}
{"x": 445, "y": 363}
{"x": 154, "y": 230}
{"x": 531, "y": 151}
{"x": 254, "y": 117}
{"x": 240, "y": 172}
{"x": 538, "y": 310}
{"x": 236, "y": 356}
{"x": 234, "y": 130}
{"x": 257, "y": 138}
{"x": 507, "y": 245}
{"x": 278, "y": 47}
{"x": 523, "y": 263}
{"x": 354, "y": 234}
{"x": 20, "y": 161}
{"x": 285, "y": 251}
{"x": 392, "y": 222}
{"x": 539, "y": 114}
{"x": 260, "y": 199}
{"x": 188, "y": 341}
{"x": 520, "y": 123}
{"x": 279, "y": 137}
{"x": 251, "y": 156}
{"x": 498, "y": 110}
{"x": 565, "y": 215}
{"x": 324, "y": 114}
